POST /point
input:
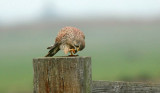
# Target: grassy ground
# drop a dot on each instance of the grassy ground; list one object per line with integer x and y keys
{"x": 118, "y": 53}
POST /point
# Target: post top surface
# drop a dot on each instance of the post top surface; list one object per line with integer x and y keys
{"x": 63, "y": 57}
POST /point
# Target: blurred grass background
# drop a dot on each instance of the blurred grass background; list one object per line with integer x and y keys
{"x": 118, "y": 52}
{"x": 122, "y": 47}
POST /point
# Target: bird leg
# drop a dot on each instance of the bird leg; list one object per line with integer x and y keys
{"x": 72, "y": 51}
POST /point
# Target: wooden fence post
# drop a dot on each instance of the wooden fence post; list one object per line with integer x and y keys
{"x": 125, "y": 87}
{"x": 62, "y": 75}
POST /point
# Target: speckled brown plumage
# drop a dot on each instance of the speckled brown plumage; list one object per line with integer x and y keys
{"x": 69, "y": 39}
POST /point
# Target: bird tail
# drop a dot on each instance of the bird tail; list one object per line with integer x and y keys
{"x": 53, "y": 50}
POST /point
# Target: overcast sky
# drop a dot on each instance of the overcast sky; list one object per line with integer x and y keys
{"x": 31, "y": 9}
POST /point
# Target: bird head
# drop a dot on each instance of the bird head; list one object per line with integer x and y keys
{"x": 77, "y": 44}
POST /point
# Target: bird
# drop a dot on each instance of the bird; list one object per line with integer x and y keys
{"x": 70, "y": 40}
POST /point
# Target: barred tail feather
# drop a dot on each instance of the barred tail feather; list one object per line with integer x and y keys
{"x": 53, "y": 50}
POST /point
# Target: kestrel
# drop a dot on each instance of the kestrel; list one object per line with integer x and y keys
{"x": 69, "y": 39}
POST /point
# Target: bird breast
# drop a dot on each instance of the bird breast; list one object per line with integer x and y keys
{"x": 65, "y": 48}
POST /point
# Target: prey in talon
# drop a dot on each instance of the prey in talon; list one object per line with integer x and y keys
{"x": 74, "y": 51}
{"x": 70, "y": 40}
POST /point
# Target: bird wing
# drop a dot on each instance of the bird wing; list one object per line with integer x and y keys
{"x": 56, "y": 47}
{"x": 62, "y": 35}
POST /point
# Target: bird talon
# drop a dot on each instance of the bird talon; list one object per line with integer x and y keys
{"x": 72, "y": 51}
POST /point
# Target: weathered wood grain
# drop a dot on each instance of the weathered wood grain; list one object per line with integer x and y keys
{"x": 62, "y": 75}
{"x": 124, "y": 87}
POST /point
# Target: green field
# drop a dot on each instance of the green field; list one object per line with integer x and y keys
{"x": 119, "y": 52}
